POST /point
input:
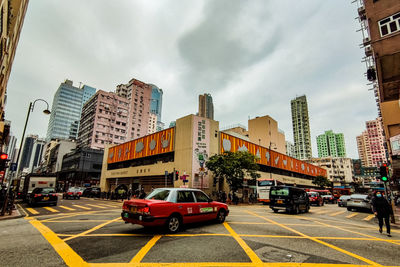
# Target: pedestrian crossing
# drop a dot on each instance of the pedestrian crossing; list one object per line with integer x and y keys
{"x": 74, "y": 207}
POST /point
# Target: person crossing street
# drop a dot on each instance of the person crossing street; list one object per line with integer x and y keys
{"x": 382, "y": 210}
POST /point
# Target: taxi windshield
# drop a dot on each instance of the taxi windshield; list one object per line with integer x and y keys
{"x": 265, "y": 183}
{"x": 159, "y": 194}
{"x": 280, "y": 192}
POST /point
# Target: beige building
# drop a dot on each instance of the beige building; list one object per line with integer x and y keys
{"x": 11, "y": 20}
{"x": 339, "y": 170}
{"x": 144, "y": 162}
{"x": 364, "y": 150}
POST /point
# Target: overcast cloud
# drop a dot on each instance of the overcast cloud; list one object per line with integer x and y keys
{"x": 252, "y": 56}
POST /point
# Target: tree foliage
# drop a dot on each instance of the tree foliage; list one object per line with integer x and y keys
{"x": 232, "y": 167}
{"x": 321, "y": 181}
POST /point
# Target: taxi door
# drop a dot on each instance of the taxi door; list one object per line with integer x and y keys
{"x": 206, "y": 211}
{"x": 186, "y": 206}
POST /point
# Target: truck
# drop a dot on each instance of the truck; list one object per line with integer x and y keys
{"x": 32, "y": 181}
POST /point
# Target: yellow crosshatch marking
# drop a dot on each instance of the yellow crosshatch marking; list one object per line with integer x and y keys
{"x": 97, "y": 206}
{"x": 352, "y": 215}
{"x": 140, "y": 255}
{"x": 337, "y": 213}
{"x": 51, "y": 209}
{"x": 33, "y": 211}
{"x": 82, "y": 207}
{"x": 67, "y": 208}
{"x": 369, "y": 217}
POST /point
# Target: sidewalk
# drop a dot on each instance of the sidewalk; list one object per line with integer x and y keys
{"x": 14, "y": 215}
{"x": 396, "y": 212}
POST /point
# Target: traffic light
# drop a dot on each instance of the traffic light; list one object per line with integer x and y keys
{"x": 176, "y": 174}
{"x": 3, "y": 161}
{"x": 383, "y": 170}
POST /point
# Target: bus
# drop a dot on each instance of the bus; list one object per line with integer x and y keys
{"x": 263, "y": 187}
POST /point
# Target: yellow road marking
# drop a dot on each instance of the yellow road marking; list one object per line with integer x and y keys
{"x": 66, "y": 208}
{"x": 70, "y": 257}
{"x": 97, "y": 206}
{"x": 144, "y": 250}
{"x": 337, "y": 213}
{"x": 369, "y": 217}
{"x": 352, "y": 215}
{"x": 51, "y": 209}
{"x": 81, "y": 207}
{"x": 92, "y": 229}
{"x": 26, "y": 214}
{"x": 252, "y": 255}
{"x": 318, "y": 241}
{"x": 69, "y": 215}
{"x": 76, "y": 221}
{"x": 33, "y": 211}
{"x": 220, "y": 264}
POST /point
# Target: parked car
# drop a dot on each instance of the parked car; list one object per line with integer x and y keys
{"x": 172, "y": 207}
{"x": 342, "y": 201}
{"x": 315, "y": 198}
{"x": 43, "y": 195}
{"x": 96, "y": 192}
{"x": 329, "y": 199}
{"x": 87, "y": 192}
{"x": 73, "y": 193}
{"x": 359, "y": 202}
{"x": 288, "y": 198}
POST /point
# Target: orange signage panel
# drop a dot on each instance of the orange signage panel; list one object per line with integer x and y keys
{"x": 149, "y": 145}
{"x": 229, "y": 143}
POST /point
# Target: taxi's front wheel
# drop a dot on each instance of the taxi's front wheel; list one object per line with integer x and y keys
{"x": 221, "y": 216}
{"x": 173, "y": 224}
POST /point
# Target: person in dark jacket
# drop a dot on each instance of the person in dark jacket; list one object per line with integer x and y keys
{"x": 382, "y": 210}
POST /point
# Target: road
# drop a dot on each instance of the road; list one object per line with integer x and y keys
{"x": 91, "y": 233}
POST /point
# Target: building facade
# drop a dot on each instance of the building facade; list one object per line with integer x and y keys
{"x": 380, "y": 24}
{"x": 81, "y": 167}
{"x": 331, "y": 144}
{"x": 206, "y": 106}
{"x": 11, "y": 20}
{"x": 301, "y": 128}
{"x": 371, "y": 144}
{"x": 156, "y": 105}
{"x": 265, "y": 132}
{"x": 105, "y": 119}
{"x": 66, "y": 110}
{"x": 54, "y": 153}
{"x": 138, "y": 95}
{"x": 31, "y": 154}
{"x": 339, "y": 170}
{"x": 144, "y": 162}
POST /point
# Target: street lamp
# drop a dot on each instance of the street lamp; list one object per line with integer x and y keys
{"x": 30, "y": 109}
{"x": 270, "y": 159}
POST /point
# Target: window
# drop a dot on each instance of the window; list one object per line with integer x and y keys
{"x": 200, "y": 196}
{"x": 389, "y": 25}
{"x": 185, "y": 197}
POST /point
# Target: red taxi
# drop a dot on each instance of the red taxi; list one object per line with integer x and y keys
{"x": 172, "y": 207}
{"x": 315, "y": 198}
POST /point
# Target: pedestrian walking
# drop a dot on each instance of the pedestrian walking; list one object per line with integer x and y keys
{"x": 382, "y": 210}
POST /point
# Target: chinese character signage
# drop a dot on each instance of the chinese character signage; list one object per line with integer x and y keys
{"x": 201, "y": 143}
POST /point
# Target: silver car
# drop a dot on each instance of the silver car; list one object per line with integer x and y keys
{"x": 359, "y": 202}
{"x": 342, "y": 201}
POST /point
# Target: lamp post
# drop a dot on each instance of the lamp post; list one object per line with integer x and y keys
{"x": 270, "y": 159}
{"x": 30, "y": 109}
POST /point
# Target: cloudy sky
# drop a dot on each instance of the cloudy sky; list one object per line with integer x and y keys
{"x": 252, "y": 56}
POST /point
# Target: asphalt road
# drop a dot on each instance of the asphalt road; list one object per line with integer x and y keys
{"x": 251, "y": 236}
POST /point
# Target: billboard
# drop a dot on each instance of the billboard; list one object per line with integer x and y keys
{"x": 149, "y": 145}
{"x": 229, "y": 143}
{"x": 201, "y": 147}
{"x": 395, "y": 145}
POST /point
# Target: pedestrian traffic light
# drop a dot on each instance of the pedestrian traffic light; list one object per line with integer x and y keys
{"x": 176, "y": 175}
{"x": 3, "y": 161}
{"x": 383, "y": 170}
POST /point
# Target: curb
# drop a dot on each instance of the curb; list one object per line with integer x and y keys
{"x": 14, "y": 216}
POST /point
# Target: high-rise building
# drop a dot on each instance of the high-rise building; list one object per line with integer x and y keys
{"x": 370, "y": 144}
{"x": 10, "y": 148}
{"x": 138, "y": 95}
{"x": 106, "y": 119}
{"x": 339, "y": 170}
{"x": 31, "y": 153}
{"x": 290, "y": 149}
{"x": 206, "y": 106}
{"x": 156, "y": 105}
{"x": 301, "y": 128}
{"x": 331, "y": 144}
{"x": 66, "y": 110}
{"x": 380, "y": 27}
{"x": 11, "y": 20}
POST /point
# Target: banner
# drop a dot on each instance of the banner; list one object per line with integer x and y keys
{"x": 201, "y": 147}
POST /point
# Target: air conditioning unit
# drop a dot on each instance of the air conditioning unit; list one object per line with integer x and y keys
{"x": 366, "y": 41}
{"x": 368, "y": 51}
{"x": 361, "y": 13}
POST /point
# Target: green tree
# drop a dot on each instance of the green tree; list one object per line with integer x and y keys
{"x": 232, "y": 167}
{"x": 321, "y": 181}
